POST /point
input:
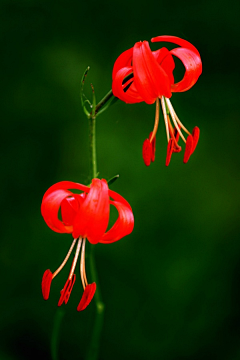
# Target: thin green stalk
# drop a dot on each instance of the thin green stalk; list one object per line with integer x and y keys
{"x": 103, "y": 101}
{"x": 55, "y": 333}
{"x": 93, "y": 349}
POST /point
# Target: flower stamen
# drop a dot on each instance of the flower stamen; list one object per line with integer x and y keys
{"x": 156, "y": 121}
{"x": 165, "y": 117}
{"x": 65, "y": 260}
{"x": 172, "y": 112}
{"x": 82, "y": 266}
{"x": 179, "y": 122}
{"x": 75, "y": 258}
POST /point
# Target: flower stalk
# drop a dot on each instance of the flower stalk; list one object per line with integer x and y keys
{"x": 93, "y": 351}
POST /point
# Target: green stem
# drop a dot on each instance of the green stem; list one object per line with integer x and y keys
{"x": 103, "y": 101}
{"x": 55, "y": 333}
{"x": 92, "y": 147}
{"x": 93, "y": 349}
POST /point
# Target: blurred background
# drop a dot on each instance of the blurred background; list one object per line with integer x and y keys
{"x": 171, "y": 288}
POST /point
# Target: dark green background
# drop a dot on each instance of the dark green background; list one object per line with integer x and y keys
{"x": 171, "y": 288}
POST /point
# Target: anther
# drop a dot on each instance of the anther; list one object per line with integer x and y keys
{"x": 66, "y": 291}
{"x": 147, "y": 152}
{"x": 188, "y": 149}
{"x": 169, "y": 151}
{"x": 195, "y": 135}
{"x": 46, "y": 283}
{"x": 87, "y": 296}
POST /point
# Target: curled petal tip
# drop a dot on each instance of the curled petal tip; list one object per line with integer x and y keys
{"x": 87, "y": 296}
{"x": 46, "y": 284}
{"x": 147, "y": 152}
{"x": 188, "y": 149}
{"x": 66, "y": 291}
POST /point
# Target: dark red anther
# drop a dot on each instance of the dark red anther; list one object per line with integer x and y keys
{"x": 147, "y": 152}
{"x": 169, "y": 151}
{"x": 175, "y": 138}
{"x": 195, "y": 135}
{"x": 188, "y": 149}
{"x": 153, "y": 146}
{"x": 46, "y": 284}
{"x": 66, "y": 291}
{"x": 87, "y": 296}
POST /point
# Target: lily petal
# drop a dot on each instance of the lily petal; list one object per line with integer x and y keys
{"x": 124, "y": 60}
{"x": 50, "y": 208}
{"x": 193, "y": 65}
{"x": 150, "y": 79}
{"x": 66, "y": 185}
{"x": 52, "y": 201}
{"x": 122, "y": 227}
{"x": 92, "y": 218}
{"x": 176, "y": 40}
{"x": 130, "y": 96}
{"x": 70, "y": 207}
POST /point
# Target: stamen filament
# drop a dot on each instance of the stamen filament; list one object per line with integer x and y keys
{"x": 156, "y": 121}
{"x": 82, "y": 266}
{"x": 65, "y": 260}
{"x": 165, "y": 117}
{"x": 75, "y": 258}
{"x": 174, "y": 119}
{"x": 181, "y": 124}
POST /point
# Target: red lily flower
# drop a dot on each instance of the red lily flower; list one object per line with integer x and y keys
{"x": 85, "y": 216}
{"x": 140, "y": 74}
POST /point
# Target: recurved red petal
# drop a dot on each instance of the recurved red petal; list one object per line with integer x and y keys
{"x": 91, "y": 220}
{"x": 51, "y": 203}
{"x": 46, "y": 284}
{"x": 66, "y": 291}
{"x": 195, "y": 135}
{"x": 130, "y": 96}
{"x": 175, "y": 40}
{"x": 66, "y": 185}
{"x": 190, "y": 58}
{"x": 87, "y": 296}
{"x": 188, "y": 149}
{"x": 123, "y": 226}
{"x": 150, "y": 79}
{"x": 124, "y": 60}
{"x": 147, "y": 152}
{"x": 50, "y": 208}
{"x": 193, "y": 66}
